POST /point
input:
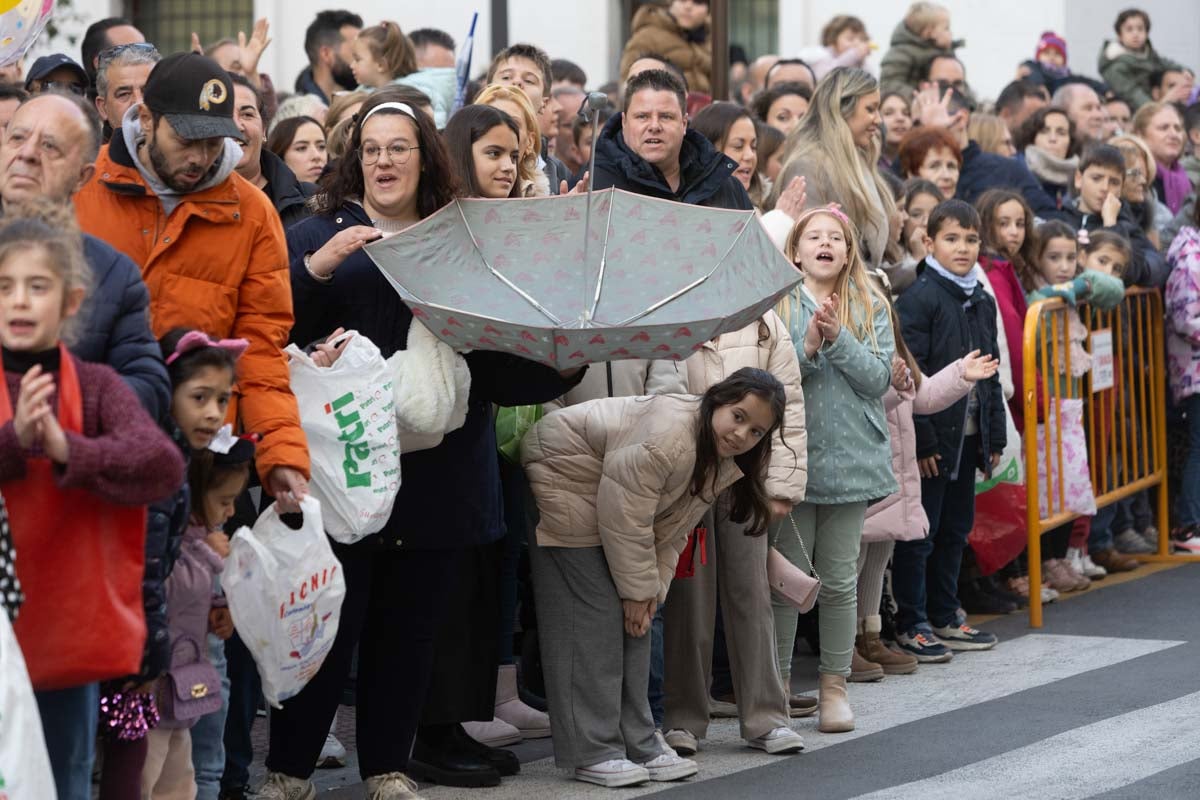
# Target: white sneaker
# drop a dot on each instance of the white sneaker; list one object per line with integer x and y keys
{"x": 670, "y": 767}
{"x": 278, "y": 786}
{"x": 682, "y": 742}
{"x": 1049, "y": 595}
{"x": 614, "y": 773}
{"x": 1091, "y": 568}
{"x": 333, "y": 754}
{"x": 391, "y": 786}
{"x": 662, "y": 742}
{"x": 781, "y": 740}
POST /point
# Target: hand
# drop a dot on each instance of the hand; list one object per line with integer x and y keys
{"x": 929, "y": 466}
{"x": 827, "y": 319}
{"x": 1111, "y": 209}
{"x": 793, "y": 198}
{"x": 812, "y": 338}
{"x": 219, "y": 542}
{"x": 343, "y": 245}
{"x": 638, "y": 614}
{"x": 580, "y": 188}
{"x": 328, "y": 353}
{"x": 196, "y": 46}
{"x": 977, "y": 368}
{"x": 33, "y": 407}
{"x": 251, "y": 50}
{"x": 901, "y": 374}
{"x": 1178, "y": 93}
{"x": 996, "y": 459}
{"x": 220, "y": 622}
{"x": 929, "y": 110}
{"x": 288, "y": 486}
{"x": 779, "y": 508}
{"x": 916, "y": 243}
{"x": 54, "y": 441}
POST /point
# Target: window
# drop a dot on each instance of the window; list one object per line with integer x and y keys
{"x": 169, "y": 23}
{"x": 754, "y": 24}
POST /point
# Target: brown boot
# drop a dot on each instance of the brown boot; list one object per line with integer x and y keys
{"x": 872, "y": 648}
{"x": 1113, "y": 561}
{"x": 863, "y": 670}
{"x": 835, "y": 715}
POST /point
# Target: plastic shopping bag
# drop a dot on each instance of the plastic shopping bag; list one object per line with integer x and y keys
{"x": 1011, "y": 469}
{"x": 24, "y": 764}
{"x": 347, "y": 412}
{"x": 1000, "y": 531}
{"x": 512, "y": 423}
{"x": 1078, "y": 496}
{"x": 285, "y": 590}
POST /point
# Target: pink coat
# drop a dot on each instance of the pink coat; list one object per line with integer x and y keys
{"x": 901, "y": 515}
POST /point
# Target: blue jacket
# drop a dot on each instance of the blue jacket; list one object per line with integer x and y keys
{"x": 450, "y": 494}
{"x": 941, "y": 324}
{"x": 705, "y": 176}
{"x": 116, "y": 327}
{"x": 982, "y": 171}
{"x": 166, "y": 521}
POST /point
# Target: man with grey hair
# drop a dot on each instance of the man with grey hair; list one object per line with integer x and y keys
{"x": 1083, "y": 107}
{"x": 121, "y": 74}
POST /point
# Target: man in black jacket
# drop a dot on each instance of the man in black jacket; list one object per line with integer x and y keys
{"x": 648, "y": 149}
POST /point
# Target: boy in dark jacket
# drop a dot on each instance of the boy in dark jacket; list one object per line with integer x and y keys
{"x": 945, "y": 315}
{"x": 1097, "y": 205}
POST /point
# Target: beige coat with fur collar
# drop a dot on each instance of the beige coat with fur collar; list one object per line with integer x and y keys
{"x": 616, "y": 473}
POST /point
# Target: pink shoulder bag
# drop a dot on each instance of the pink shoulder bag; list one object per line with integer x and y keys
{"x": 790, "y": 582}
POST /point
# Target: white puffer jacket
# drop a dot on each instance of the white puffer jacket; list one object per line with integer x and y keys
{"x": 616, "y": 473}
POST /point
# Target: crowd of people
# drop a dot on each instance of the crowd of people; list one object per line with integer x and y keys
{"x": 172, "y": 221}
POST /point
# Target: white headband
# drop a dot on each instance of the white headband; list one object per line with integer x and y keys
{"x": 403, "y": 108}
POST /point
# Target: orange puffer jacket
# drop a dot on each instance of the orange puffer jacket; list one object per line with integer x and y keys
{"x": 218, "y": 263}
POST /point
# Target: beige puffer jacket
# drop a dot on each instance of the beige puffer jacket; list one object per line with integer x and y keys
{"x": 763, "y": 344}
{"x": 616, "y": 473}
{"x": 654, "y": 30}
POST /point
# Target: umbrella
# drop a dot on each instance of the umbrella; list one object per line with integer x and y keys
{"x": 644, "y": 278}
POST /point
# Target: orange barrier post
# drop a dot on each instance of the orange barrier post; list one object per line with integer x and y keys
{"x": 1124, "y": 400}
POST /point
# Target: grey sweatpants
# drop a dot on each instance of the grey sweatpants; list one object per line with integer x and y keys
{"x": 596, "y": 675}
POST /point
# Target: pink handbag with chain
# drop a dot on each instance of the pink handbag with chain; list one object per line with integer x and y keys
{"x": 790, "y": 582}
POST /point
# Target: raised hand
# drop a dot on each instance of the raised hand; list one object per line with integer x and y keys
{"x": 33, "y": 407}
{"x": 344, "y": 244}
{"x": 977, "y": 368}
{"x": 1111, "y": 209}
{"x": 827, "y": 319}
{"x": 793, "y": 198}
{"x": 901, "y": 374}
{"x": 933, "y": 111}
{"x": 580, "y": 188}
{"x": 251, "y": 50}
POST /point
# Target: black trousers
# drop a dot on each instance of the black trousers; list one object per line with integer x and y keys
{"x": 466, "y": 647}
{"x": 394, "y": 606}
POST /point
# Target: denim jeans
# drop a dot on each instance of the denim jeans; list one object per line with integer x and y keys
{"x": 654, "y": 692}
{"x": 69, "y": 720}
{"x": 245, "y": 692}
{"x": 1187, "y": 505}
{"x": 208, "y": 734}
{"x": 925, "y": 571}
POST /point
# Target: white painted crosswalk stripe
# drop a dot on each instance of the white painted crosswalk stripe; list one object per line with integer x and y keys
{"x": 1014, "y": 666}
{"x": 1075, "y": 764}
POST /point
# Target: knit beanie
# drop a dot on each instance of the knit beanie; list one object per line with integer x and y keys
{"x": 1051, "y": 41}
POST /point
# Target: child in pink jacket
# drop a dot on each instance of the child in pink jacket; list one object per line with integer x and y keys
{"x": 901, "y": 517}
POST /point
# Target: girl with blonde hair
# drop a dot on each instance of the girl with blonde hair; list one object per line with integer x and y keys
{"x": 838, "y": 319}
{"x": 515, "y": 103}
{"x": 836, "y": 148}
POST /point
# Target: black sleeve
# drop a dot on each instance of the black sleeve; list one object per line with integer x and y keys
{"x": 509, "y": 380}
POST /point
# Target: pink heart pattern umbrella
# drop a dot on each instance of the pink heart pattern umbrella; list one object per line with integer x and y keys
{"x": 643, "y": 278}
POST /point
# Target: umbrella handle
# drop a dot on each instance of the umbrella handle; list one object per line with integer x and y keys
{"x": 594, "y": 101}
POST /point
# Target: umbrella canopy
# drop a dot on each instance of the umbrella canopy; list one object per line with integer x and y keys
{"x": 640, "y": 278}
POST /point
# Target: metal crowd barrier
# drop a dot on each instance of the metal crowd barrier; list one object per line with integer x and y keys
{"x": 1124, "y": 419}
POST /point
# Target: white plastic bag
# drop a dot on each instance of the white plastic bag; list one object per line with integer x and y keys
{"x": 347, "y": 412}
{"x": 285, "y": 590}
{"x": 1012, "y": 461}
{"x": 24, "y": 764}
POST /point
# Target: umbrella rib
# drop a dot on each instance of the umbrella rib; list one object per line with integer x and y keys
{"x": 603, "y": 257}
{"x": 524, "y": 295}
{"x": 690, "y": 286}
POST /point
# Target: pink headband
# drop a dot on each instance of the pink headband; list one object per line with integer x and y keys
{"x": 194, "y": 340}
{"x": 832, "y": 209}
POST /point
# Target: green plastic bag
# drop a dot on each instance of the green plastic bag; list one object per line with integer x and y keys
{"x": 512, "y": 423}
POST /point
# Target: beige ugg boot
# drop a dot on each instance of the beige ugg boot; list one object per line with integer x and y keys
{"x": 834, "y": 713}
{"x": 872, "y": 648}
{"x": 532, "y": 724}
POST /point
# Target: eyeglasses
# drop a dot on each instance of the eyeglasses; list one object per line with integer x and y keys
{"x": 1136, "y": 173}
{"x": 397, "y": 153}
{"x": 109, "y": 53}
{"x": 64, "y": 86}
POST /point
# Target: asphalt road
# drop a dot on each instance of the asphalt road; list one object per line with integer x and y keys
{"x": 1103, "y": 702}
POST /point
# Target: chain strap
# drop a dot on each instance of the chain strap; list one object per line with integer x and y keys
{"x": 811, "y": 566}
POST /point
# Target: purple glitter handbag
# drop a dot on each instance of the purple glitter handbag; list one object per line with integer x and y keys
{"x": 190, "y": 689}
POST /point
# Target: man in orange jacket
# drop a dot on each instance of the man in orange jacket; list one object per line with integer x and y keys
{"x": 209, "y": 244}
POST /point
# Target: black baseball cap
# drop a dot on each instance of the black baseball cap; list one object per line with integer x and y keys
{"x": 194, "y": 94}
{"x": 47, "y": 64}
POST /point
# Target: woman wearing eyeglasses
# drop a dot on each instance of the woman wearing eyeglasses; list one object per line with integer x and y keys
{"x": 400, "y": 582}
